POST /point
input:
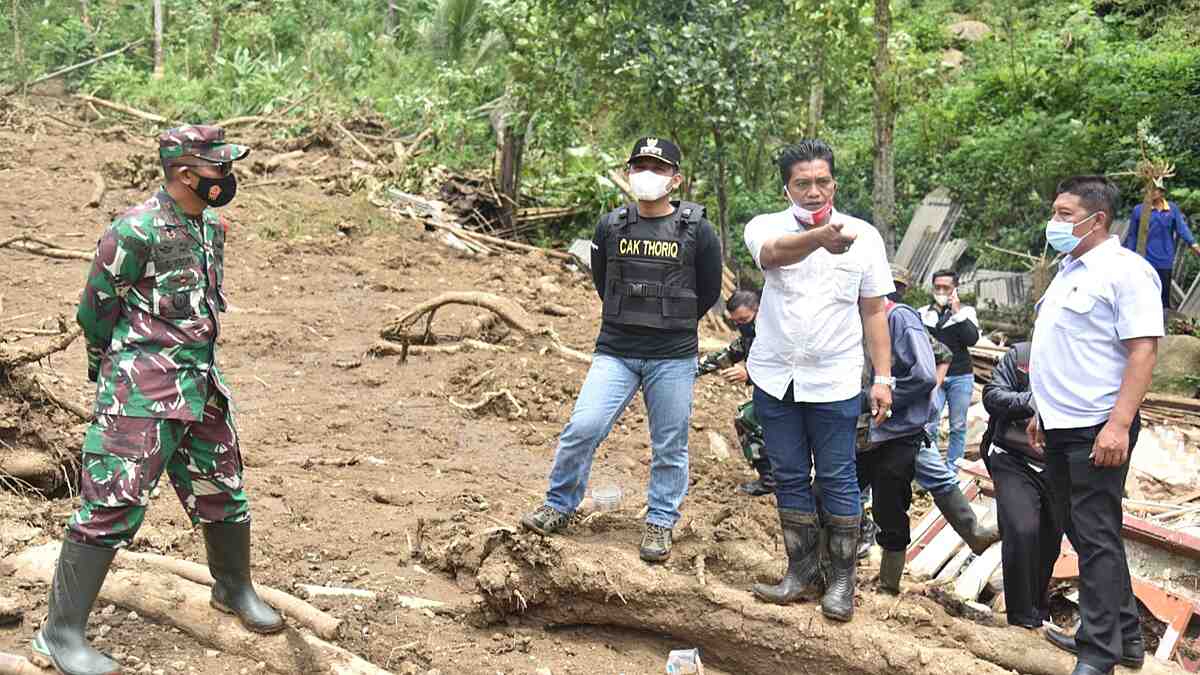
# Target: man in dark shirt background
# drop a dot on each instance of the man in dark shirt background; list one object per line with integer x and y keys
{"x": 657, "y": 268}
{"x": 956, "y": 326}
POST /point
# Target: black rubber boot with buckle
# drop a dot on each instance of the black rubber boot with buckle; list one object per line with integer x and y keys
{"x": 802, "y": 581}
{"x": 62, "y": 641}
{"x": 958, "y": 512}
{"x": 228, "y": 546}
{"x": 842, "y": 534}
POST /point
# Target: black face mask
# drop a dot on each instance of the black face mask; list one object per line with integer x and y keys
{"x": 746, "y": 330}
{"x": 895, "y": 297}
{"x": 216, "y": 191}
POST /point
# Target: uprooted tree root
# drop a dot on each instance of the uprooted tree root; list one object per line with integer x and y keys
{"x": 557, "y": 581}
{"x": 32, "y": 461}
{"x": 510, "y": 313}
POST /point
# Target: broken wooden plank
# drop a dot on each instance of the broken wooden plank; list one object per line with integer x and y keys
{"x": 930, "y": 560}
{"x": 971, "y": 582}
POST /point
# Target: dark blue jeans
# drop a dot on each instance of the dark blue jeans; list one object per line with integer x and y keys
{"x": 802, "y": 435}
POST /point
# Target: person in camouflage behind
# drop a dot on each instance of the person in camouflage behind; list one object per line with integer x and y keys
{"x": 742, "y": 307}
{"x": 150, "y": 313}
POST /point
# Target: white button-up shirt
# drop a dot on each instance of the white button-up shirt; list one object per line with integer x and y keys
{"x": 1077, "y": 360}
{"x": 808, "y": 331}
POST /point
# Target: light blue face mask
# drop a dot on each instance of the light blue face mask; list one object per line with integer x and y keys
{"x": 1060, "y": 234}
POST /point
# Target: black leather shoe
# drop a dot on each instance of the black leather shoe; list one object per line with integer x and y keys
{"x": 228, "y": 546}
{"x": 1133, "y": 652}
{"x": 756, "y": 488}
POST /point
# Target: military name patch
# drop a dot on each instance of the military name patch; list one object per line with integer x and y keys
{"x": 648, "y": 248}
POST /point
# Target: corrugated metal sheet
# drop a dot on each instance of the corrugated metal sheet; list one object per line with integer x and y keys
{"x": 923, "y": 247}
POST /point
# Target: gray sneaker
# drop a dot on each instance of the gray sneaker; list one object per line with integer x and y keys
{"x": 656, "y": 543}
{"x": 545, "y": 520}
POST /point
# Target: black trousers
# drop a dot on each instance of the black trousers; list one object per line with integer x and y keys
{"x": 889, "y": 469}
{"x": 1164, "y": 276}
{"x": 1087, "y": 501}
{"x": 1032, "y": 536}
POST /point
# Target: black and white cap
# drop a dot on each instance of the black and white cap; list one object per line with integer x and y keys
{"x": 658, "y": 148}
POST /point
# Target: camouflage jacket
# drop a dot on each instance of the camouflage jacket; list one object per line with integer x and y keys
{"x": 150, "y": 312}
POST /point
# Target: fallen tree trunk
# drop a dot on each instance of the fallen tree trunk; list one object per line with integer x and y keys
{"x": 172, "y": 600}
{"x": 559, "y": 582}
{"x": 321, "y": 623}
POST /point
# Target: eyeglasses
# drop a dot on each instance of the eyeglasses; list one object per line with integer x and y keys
{"x": 822, "y": 184}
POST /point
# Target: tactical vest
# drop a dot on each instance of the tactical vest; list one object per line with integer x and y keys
{"x": 650, "y": 276}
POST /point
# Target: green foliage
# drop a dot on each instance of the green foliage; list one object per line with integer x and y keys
{"x": 1057, "y": 88}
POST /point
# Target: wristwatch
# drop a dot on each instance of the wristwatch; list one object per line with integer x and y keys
{"x": 889, "y": 381}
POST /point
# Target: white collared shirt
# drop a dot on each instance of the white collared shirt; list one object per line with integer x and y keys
{"x": 1078, "y": 358}
{"x": 808, "y": 331}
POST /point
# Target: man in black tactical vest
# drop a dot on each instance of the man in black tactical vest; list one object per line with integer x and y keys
{"x": 657, "y": 267}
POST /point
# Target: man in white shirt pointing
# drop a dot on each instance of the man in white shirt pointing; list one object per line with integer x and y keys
{"x": 826, "y": 277}
{"x": 1095, "y": 342}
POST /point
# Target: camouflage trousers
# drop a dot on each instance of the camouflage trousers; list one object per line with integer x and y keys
{"x": 123, "y": 458}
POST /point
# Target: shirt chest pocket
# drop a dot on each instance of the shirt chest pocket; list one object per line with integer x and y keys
{"x": 1076, "y": 308}
{"x": 178, "y": 279}
{"x": 843, "y": 282}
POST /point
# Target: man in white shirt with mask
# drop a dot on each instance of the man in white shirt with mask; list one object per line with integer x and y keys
{"x": 826, "y": 274}
{"x": 1095, "y": 342}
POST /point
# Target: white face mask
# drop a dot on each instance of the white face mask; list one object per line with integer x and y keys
{"x": 942, "y": 299}
{"x": 648, "y": 186}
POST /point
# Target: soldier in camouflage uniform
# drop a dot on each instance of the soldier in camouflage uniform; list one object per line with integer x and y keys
{"x": 743, "y": 308}
{"x": 150, "y": 313}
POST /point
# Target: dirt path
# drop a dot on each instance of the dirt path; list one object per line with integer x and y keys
{"x": 307, "y": 302}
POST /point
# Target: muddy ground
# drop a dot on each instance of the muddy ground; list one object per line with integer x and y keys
{"x": 312, "y": 277}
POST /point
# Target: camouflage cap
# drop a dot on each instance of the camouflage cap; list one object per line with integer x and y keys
{"x": 901, "y": 275}
{"x": 198, "y": 140}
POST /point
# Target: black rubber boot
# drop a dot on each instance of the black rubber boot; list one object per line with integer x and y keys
{"x": 842, "y": 532}
{"x": 1082, "y": 668}
{"x": 890, "y": 571}
{"x": 62, "y": 641}
{"x": 958, "y": 512}
{"x": 228, "y": 547}
{"x": 802, "y": 581}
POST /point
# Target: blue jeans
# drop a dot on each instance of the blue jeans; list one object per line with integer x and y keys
{"x": 610, "y": 384}
{"x": 799, "y": 435}
{"x": 957, "y": 389}
{"x": 933, "y": 474}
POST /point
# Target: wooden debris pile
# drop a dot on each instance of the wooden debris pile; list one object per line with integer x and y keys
{"x": 1157, "y": 408}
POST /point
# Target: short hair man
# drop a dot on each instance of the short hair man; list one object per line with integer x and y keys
{"x": 150, "y": 314}
{"x": 887, "y": 456}
{"x": 1167, "y": 226}
{"x": 1095, "y": 342}
{"x": 956, "y": 326}
{"x": 742, "y": 307}
{"x": 1032, "y": 534}
{"x": 657, "y": 268}
{"x": 826, "y": 277}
